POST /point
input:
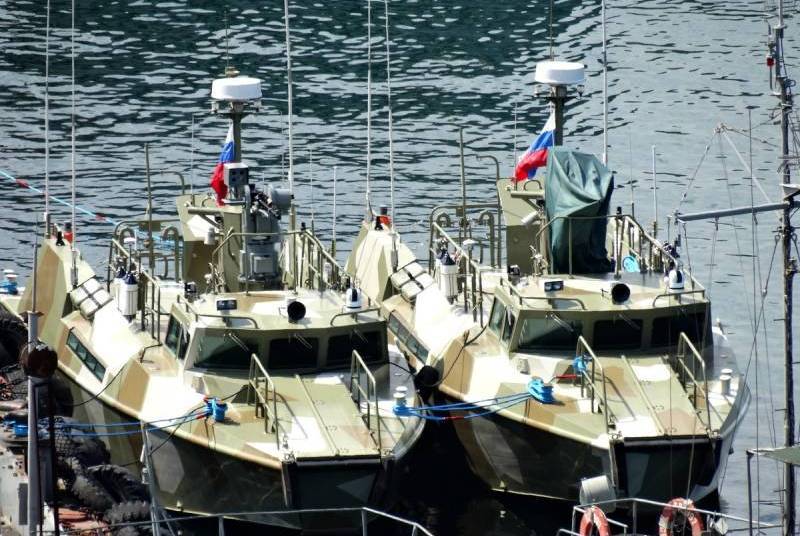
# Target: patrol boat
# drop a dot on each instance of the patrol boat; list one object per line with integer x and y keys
{"x": 582, "y": 359}
{"x": 260, "y": 377}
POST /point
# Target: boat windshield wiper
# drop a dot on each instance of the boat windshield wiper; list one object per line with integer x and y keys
{"x": 561, "y": 322}
{"x": 628, "y": 321}
{"x": 301, "y": 340}
{"x": 235, "y": 338}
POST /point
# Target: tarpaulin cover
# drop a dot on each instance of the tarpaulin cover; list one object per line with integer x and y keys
{"x": 577, "y": 187}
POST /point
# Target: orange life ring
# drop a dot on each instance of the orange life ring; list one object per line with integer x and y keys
{"x": 594, "y": 517}
{"x": 685, "y": 507}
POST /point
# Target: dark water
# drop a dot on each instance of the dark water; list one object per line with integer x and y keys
{"x": 678, "y": 68}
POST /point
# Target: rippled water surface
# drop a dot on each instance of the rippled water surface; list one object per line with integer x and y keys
{"x": 678, "y": 68}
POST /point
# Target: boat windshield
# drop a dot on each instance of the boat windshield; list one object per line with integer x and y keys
{"x": 550, "y": 332}
{"x": 225, "y": 350}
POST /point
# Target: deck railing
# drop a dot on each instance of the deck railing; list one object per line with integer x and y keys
{"x": 688, "y": 374}
{"x": 589, "y": 380}
{"x": 358, "y": 371}
{"x": 263, "y": 394}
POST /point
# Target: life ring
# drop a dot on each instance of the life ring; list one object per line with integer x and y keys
{"x": 594, "y": 517}
{"x": 684, "y": 507}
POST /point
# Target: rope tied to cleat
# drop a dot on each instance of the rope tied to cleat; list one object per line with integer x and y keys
{"x": 537, "y": 390}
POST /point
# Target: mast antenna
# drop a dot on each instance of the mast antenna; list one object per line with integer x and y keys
{"x": 74, "y": 253}
{"x": 289, "y": 95}
{"x": 47, "y": 125}
{"x": 369, "y": 108}
{"x": 605, "y": 84}
{"x": 552, "y": 55}
{"x": 227, "y": 42}
{"x": 389, "y": 106}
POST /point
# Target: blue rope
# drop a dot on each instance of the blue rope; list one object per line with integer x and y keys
{"x": 137, "y": 431}
{"x": 121, "y": 424}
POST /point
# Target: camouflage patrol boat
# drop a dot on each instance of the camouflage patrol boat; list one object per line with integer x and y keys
{"x": 261, "y": 378}
{"x": 580, "y": 360}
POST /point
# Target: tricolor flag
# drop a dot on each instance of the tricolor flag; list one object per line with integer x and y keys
{"x": 217, "y": 180}
{"x": 536, "y": 155}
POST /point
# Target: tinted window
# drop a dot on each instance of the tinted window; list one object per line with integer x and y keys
{"x": 173, "y": 335}
{"x": 617, "y": 333}
{"x": 85, "y": 356}
{"x": 549, "y": 333}
{"x": 293, "y": 353}
{"x": 225, "y": 351}
{"x": 667, "y": 330}
{"x": 340, "y": 347}
{"x": 508, "y": 326}
{"x": 498, "y": 314}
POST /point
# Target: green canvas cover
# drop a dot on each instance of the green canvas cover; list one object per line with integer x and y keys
{"x": 577, "y": 185}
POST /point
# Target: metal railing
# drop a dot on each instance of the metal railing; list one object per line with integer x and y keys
{"x": 634, "y": 506}
{"x": 488, "y": 215}
{"x": 307, "y": 262}
{"x": 549, "y": 299}
{"x": 687, "y": 349}
{"x": 471, "y": 276}
{"x": 361, "y": 519}
{"x": 359, "y": 370}
{"x": 582, "y": 349}
{"x": 263, "y": 394}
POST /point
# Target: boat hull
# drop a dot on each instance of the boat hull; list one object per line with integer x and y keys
{"x": 196, "y": 479}
{"x": 517, "y": 458}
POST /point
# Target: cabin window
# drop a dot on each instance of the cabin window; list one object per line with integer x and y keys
{"x": 177, "y": 340}
{"x": 508, "y": 326}
{"x": 667, "y": 330}
{"x": 497, "y": 317}
{"x": 296, "y": 352}
{"x": 403, "y": 336}
{"x": 226, "y": 350}
{"x": 617, "y": 333}
{"x": 340, "y": 347}
{"x": 86, "y": 357}
{"x": 549, "y": 333}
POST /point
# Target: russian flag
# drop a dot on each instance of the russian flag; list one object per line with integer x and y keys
{"x": 536, "y": 155}
{"x": 217, "y": 180}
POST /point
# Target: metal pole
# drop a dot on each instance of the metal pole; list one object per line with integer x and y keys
{"x": 749, "y": 494}
{"x": 464, "y": 223}
{"x": 151, "y": 261}
{"x": 655, "y": 195}
{"x": 51, "y": 432}
{"x": 34, "y": 480}
{"x": 558, "y": 96}
{"x": 788, "y": 274}
{"x": 605, "y": 85}
{"x": 289, "y": 94}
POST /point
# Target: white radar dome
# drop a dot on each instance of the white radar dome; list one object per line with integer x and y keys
{"x": 559, "y": 73}
{"x": 238, "y": 88}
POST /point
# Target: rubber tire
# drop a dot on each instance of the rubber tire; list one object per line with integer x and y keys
{"x": 120, "y": 482}
{"x": 128, "y": 512}
{"x": 63, "y": 402}
{"x": 13, "y": 336}
{"x": 89, "y": 450}
{"x": 69, "y": 469}
{"x": 91, "y": 494}
{"x": 127, "y": 531}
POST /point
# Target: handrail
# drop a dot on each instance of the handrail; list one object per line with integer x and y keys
{"x": 676, "y": 294}
{"x": 679, "y": 507}
{"x": 190, "y": 308}
{"x": 477, "y": 269}
{"x": 264, "y": 381}
{"x": 355, "y": 313}
{"x": 520, "y": 297}
{"x": 357, "y": 365}
{"x": 582, "y": 348}
{"x": 415, "y": 527}
{"x": 680, "y": 355}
